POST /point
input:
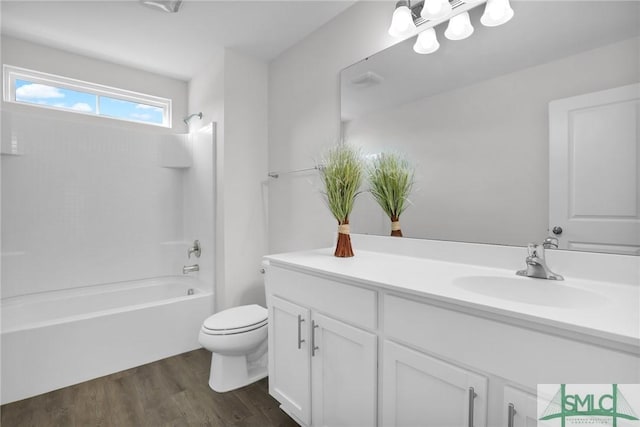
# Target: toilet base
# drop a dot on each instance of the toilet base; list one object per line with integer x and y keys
{"x": 232, "y": 372}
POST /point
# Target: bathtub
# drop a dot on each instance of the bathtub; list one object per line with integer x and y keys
{"x": 56, "y": 339}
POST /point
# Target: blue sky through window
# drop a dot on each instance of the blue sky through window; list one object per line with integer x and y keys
{"x": 130, "y": 110}
{"x": 53, "y": 96}
{"x": 41, "y": 94}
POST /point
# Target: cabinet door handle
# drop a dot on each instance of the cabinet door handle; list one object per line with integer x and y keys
{"x": 511, "y": 415}
{"x": 300, "y": 340}
{"x": 314, "y": 325}
{"x": 472, "y": 396}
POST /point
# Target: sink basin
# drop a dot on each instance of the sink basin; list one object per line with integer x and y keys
{"x": 527, "y": 290}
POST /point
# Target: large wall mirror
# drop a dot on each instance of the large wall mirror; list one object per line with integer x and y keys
{"x": 513, "y": 131}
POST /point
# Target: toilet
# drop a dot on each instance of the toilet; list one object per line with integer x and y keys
{"x": 237, "y": 340}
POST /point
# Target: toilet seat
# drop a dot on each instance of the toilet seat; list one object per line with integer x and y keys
{"x": 236, "y": 320}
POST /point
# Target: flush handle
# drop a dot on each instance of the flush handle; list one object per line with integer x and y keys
{"x": 511, "y": 415}
{"x": 472, "y": 396}
{"x": 300, "y": 340}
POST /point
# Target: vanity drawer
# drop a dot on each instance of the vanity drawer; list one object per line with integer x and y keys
{"x": 525, "y": 356}
{"x": 352, "y": 304}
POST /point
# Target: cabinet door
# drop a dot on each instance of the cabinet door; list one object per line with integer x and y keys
{"x": 419, "y": 390}
{"x": 524, "y": 410}
{"x": 343, "y": 374}
{"x": 289, "y": 360}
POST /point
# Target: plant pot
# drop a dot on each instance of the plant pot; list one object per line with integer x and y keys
{"x": 395, "y": 227}
{"x": 343, "y": 246}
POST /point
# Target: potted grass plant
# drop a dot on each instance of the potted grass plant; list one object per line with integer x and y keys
{"x": 391, "y": 178}
{"x": 342, "y": 172}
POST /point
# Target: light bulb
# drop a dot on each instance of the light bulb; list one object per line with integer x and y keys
{"x": 496, "y": 12}
{"x": 426, "y": 42}
{"x": 402, "y": 22}
{"x": 459, "y": 27}
{"x": 435, "y": 9}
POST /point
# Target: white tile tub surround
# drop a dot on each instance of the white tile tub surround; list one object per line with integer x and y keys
{"x": 86, "y": 204}
{"x": 57, "y": 339}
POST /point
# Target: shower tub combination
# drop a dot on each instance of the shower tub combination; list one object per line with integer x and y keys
{"x": 56, "y": 339}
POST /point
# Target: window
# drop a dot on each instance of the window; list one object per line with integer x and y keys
{"x": 61, "y": 93}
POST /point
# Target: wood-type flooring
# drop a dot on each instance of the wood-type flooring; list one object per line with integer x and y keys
{"x": 169, "y": 392}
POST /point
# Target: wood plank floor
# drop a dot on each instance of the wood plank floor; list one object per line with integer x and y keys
{"x": 169, "y": 392}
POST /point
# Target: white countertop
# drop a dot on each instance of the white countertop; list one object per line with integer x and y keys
{"x": 602, "y": 311}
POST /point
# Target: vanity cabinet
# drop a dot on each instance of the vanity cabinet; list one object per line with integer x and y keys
{"x": 420, "y": 390}
{"x": 322, "y": 369}
{"x": 352, "y": 351}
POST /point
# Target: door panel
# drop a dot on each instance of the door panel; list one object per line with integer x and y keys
{"x": 594, "y": 181}
{"x": 419, "y": 390}
{"x": 343, "y": 374}
{"x": 289, "y": 360}
{"x": 524, "y": 408}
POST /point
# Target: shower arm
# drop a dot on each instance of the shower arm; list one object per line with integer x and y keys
{"x": 191, "y": 116}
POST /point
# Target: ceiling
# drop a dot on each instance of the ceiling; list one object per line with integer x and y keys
{"x": 176, "y": 45}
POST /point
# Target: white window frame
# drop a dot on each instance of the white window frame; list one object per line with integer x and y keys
{"x": 11, "y": 74}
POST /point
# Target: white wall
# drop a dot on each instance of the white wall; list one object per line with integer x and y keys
{"x": 467, "y": 141}
{"x": 232, "y": 92}
{"x": 304, "y": 119}
{"x": 245, "y": 158}
{"x": 37, "y": 57}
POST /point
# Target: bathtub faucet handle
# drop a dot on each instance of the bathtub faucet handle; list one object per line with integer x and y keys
{"x": 195, "y": 249}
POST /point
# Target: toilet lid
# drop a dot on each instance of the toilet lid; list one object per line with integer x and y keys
{"x": 242, "y": 317}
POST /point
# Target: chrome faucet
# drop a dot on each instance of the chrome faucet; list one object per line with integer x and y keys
{"x": 536, "y": 263}
{"x": 190, "y": 268}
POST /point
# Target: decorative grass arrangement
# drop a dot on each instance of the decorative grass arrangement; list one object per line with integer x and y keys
{"x": 342, "y": 172}
{"x": 391, "y": 178}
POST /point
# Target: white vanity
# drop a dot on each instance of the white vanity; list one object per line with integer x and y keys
{"x": 418, "y": 332}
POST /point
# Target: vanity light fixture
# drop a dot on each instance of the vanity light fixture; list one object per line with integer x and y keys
{"x": 496, "y": 12}
{"x": 169, "y": 6}
{"x": 421, "y": 17}
{"x": 402, "y": 23}
{"x": 435, "y": 9}
{"x": 426, "y": 42}
{"x": 459, "y": 27}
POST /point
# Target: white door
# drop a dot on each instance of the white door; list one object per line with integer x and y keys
{"x": 419, "y": 390}
{"x": 594, "y": 188}
{"x": 519, "y": 408}
{"x": 289, "y": 360}
{"x": 344, "y": 374}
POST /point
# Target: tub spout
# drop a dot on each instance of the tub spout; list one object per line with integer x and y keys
{"x": 190, "y": 268}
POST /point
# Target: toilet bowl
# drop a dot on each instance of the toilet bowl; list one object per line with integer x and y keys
{"x": 237, "y": 340}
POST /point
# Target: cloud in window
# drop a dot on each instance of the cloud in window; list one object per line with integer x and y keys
{"x": 82, "y": 106}
{"x": 148, "y": 107}
{"x": 38, "y": 91}
{"x": 140, "y": 116}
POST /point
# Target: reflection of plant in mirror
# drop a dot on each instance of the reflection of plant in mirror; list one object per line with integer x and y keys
{"x": 341, "y": 171}
{"x": 391, "y": 179}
